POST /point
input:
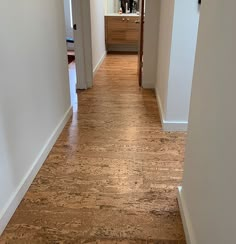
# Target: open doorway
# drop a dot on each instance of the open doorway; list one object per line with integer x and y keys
{"x": 82, "y": 31}
{"x": 170, "y": 33}
{"x": 70, "y": 51}
{"x": 124, "y": 28}
{"x": 78, "y": 38}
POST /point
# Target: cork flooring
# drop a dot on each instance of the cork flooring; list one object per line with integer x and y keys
{"x": 112, "y": 176}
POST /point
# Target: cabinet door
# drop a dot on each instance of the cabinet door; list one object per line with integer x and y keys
{"x": 116, "y": 23}
{"x": 132, "y": 36}
{"x": 132, "y": 31}
{"x": 122, "y": 30}
{"x": 116, "y": 30}
{"x": 117, "y": 37}
{"x": 133, "y": 23}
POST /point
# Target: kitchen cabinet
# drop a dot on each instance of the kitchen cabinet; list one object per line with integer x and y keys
{"x": 122, "y": 31}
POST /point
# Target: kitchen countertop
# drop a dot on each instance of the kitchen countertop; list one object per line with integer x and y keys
{"x": 116, "y": 14}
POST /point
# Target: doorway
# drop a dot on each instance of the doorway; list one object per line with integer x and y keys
{"x": 78, "y": 38}
{"x": 70, "y": 51}
{"x": 84, "y": 22}
{"x": 124, "y": 29}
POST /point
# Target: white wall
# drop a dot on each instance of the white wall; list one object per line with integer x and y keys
{"x": 69, "y": 29}
{"x": 176, "y": 54}
{"x": 151, "y": 30}
{"x": 98, "y": 32}
{"x": 164, "y": 51}
{"x": 105, "y": 6}
{"x": 209, "y": 177}
{"x": 67, "y": 6}
{"x": 34, "y": 91}
{"x": 111, "y": 6}
{"x": 184, "y": 39}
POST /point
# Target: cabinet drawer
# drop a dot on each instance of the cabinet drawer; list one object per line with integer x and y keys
{"x": 116, "y": 36}
{"x": 116, "y": 23}
{"x": 133, "y": 23}
{"x": 132, "y": 36}
{"x": 123, "y": 37}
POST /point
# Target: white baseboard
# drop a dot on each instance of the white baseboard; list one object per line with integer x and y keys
{"x": 99, "y": 63}
{"x": 173, "y": 126}
{"x": 147, "y": 85}
{"x": 122, "y": 48}
{"x": 170, "y": 125}
{"x": 11, "y": 206}
{"x": 188, "y": 229}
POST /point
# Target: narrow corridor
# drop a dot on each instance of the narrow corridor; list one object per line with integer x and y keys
{"x": 112, "y": 176}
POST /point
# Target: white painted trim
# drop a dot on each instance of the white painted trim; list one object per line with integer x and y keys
{"x": 83, "y": 43}
{"x": 161, "y": 111}
{"x": 99, "y": 63}
{"x": 23, "y": 187}
{"x": 175, "y": 125}
{"x": 170, "y": 125}
{"x": 188, "y": 228}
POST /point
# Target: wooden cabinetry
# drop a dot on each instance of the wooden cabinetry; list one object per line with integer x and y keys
{"x": 122, "y": 32}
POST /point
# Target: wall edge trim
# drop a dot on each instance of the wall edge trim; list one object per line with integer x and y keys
{"x": 12, "y": 204}
{"x": 168, "y": 125}
{"x": 147, "y": 85}
{"x": 188, "y": 229}
{"x": 98, "y": 65}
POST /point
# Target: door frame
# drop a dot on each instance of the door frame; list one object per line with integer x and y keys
{"x": 83, "y": 43}
{"x": 141, "y": 40}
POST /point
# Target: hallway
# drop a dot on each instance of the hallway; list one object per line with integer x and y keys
{"x": 112, "y": 176}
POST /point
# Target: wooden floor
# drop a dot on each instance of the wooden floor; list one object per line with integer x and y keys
{"x": 112, "y": 176}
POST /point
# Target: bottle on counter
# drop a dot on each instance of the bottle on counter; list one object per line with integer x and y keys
{"x": 126, "y": 8}
{"x": 131, "y": 6}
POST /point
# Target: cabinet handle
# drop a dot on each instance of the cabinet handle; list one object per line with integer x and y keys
{"x": 127, "y": 19}
{"x": 137, "y": 21}
{"x": 123, "y": 19}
